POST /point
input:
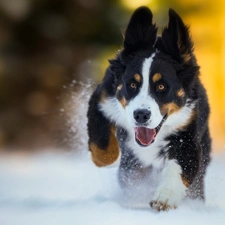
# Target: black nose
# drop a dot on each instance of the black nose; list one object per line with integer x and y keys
{"x": 142, "y": 115}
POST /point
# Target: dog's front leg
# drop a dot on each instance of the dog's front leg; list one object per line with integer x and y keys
{"x": 103, "y": 143}
{"x": 171, "y": 190}
{"x": 181, "y": 169}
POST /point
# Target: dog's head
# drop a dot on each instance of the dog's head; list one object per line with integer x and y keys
{"x": 154, "y": 73}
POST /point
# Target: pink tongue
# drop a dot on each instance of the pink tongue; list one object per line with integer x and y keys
{"x": 145, "y": 135}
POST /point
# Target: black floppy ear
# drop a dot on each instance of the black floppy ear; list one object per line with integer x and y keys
{"x": 140, "y": 33}
{"x": 175, "y": 40}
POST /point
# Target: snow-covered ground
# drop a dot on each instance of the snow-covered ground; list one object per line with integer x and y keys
{"x": 67, "y": 188}
{"x": 63, "y": 188}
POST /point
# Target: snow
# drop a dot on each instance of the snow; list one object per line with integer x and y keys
{"x": 66, "y": 188}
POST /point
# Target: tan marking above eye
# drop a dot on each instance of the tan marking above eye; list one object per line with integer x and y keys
{"x": 156, "y": 77}
{"x": 133, "y": 85}
{"x": 137, "y": 77}
{"x": 161, "y": 87}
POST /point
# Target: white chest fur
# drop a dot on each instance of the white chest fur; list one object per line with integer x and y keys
{"x": 147, "y": 155}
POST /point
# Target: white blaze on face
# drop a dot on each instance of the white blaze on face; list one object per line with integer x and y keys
{"x": 143, "y": 100}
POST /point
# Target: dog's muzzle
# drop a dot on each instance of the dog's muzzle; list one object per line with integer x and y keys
{"x": 145, "y": 136}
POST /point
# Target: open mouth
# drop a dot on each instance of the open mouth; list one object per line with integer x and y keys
{"x": 145, "y": 136}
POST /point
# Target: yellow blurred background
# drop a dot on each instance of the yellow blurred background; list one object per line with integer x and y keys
{"x": 47, "y": 47}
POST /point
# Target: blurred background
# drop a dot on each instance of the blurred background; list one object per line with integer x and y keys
{"x": 51, "y": 49}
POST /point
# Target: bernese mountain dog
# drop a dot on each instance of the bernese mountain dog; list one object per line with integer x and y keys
{"x": 150, "y": 113}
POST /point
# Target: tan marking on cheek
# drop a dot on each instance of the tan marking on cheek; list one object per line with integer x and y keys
{"x": 107, "y": 156}
{"x": 156, "y": 77}
{"x": 123, "y": 102}
{"x": 137, "y": 77}
{"x": 170, "y": 108}
{"x": 185, "y": 181}
{"x": 180, "y": 93}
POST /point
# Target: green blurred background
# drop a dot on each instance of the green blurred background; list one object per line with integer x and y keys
{"x": 47, "y": 46}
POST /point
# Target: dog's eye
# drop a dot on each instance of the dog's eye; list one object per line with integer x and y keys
{"x": 160, "y": 87}
{"x": 133, "y": 85}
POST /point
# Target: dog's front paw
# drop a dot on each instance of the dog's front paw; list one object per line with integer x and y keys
{"x": 171, "y": 190}
{"x": 161, "y": 206}
{"x": 165, "y": 200}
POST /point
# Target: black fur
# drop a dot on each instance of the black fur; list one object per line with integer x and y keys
{"x": 98, "y": 124}
{"x": 190, "y": 146}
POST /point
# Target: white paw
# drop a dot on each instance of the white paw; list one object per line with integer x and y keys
{"x": 165, "y": 200}
{"x": 171, "y": 190}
